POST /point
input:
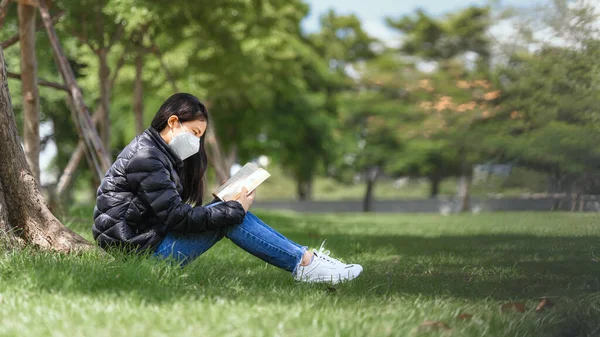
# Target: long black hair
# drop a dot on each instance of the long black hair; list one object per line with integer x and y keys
{"x": 187, "y": 108}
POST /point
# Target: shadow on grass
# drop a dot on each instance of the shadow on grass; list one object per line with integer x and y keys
{"x": 470, "y": 267}
{"x": 474, "y": 266}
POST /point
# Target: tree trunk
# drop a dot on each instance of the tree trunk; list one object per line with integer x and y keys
{"x": 464, "y": 192}
{"x": 3, "y": 214}
{"x": 372, "y": 175}
{"x": 28, "y": 216}
{"x": 434, "y": 186}
{"x": 300, "y": 190}
{"x": 29, "y": 89}
{"x": 104, "y": 78}
{"x": 215, "y": 154}
{"x": 85, "y": 127}
{"x": 214, "y": 151}
{"x": 138, "y": 100}
{"x": 67, "y": 176}
{"x": 304, "y": 189}
{"x": 230, "y": 158}
{"x": 554, "y": 189}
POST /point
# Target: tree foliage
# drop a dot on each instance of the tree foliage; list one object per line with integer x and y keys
{"x": 336, "y": 101}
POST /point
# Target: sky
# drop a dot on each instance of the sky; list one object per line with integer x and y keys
{"x": 372, "y": 13}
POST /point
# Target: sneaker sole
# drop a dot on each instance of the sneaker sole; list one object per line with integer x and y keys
{"x": 330, "y": 279}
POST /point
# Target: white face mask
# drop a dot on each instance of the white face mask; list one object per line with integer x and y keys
{"x": 184, "y": 144}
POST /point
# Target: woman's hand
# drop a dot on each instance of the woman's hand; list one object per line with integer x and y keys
{"x": 246, "y": 199}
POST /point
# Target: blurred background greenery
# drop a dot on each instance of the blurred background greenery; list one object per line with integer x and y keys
{"x": 492, "y": 99}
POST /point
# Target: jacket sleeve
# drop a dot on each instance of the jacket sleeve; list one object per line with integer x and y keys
{"x": 149, "y": 176}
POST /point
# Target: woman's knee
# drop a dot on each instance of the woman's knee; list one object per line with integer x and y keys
{"x": 249, "y": 219}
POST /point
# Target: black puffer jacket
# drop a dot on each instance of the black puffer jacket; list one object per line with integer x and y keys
{"x": 139, "y": 199}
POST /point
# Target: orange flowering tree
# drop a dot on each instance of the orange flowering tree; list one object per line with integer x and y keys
{"x": 453, "y": 97}
{"x": 439, "y": 135}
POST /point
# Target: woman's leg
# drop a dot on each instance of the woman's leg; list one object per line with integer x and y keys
{"x": 252, "y": 235}
{"x": 260, "y": 222}
{"x": 185, "y": 248}
{"x": 262, "y": 241}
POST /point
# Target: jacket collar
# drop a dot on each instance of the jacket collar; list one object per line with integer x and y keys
{"x": 164, "y": 147}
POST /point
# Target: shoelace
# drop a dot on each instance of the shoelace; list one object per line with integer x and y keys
{"x": 324, "y": 254}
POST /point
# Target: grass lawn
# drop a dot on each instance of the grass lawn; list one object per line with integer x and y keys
{"x": 417, "y": 268}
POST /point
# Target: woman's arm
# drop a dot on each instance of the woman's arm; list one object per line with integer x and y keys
{"x": 148, "y": 175}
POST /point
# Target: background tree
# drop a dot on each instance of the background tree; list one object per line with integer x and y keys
{"x": 371, "y": 116}
{"x": 546, "y": 117}
{"x": 81, "y": 114}
{"x": 99, "y": 30}
{"x": 460, "y": 51}
{"x": 550, "y": 118}
{"x": 27, "y": 216}
{"x": 342, "y": 43}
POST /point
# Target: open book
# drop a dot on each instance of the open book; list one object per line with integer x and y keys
{"x": 249, "y": 176}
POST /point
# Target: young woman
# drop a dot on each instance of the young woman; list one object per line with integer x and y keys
{"x": 151, "y": 197}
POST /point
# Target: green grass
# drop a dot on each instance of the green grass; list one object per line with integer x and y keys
{"x": 417, "y": 268}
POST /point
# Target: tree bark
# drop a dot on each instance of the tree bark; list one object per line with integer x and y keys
{"x": 28, "y": 214}
{"x": 3, "y": 213}
{"x": 138, "y": 102}
{"x": 372, "y": 175}
{"x": 29, "y": 89}
{"x": 434, "y": 187}
{"x": 104, "y": 78}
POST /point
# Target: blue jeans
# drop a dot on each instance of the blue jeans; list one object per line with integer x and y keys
{"x": 252, "y": 235}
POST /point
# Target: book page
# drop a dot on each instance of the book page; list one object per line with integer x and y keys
{"x": 240, "y": 175}
{"x": 249, "y": 176}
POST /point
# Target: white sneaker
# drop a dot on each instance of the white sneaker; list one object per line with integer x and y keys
{"x": 324, "y": 268}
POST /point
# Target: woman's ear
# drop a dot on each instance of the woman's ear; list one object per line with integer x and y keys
{"x": 172, "y": 121}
